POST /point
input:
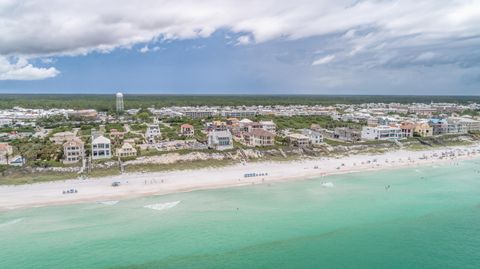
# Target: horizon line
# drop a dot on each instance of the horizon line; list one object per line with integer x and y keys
{"x": 243, "y": 94}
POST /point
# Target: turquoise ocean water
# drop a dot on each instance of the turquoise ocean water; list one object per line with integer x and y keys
{"x": 428, "y": 218}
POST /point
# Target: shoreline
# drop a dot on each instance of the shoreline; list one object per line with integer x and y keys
{"x": 134, "y": 185}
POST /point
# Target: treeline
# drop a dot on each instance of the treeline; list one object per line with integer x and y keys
{"x": 107, "y": 102}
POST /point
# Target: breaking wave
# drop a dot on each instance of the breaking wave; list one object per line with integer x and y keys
{"x": 10, "y": 222}
{"x": 108, "y": 202}
{"x": 327, "y": 184}
{"x": 162, "y": 206}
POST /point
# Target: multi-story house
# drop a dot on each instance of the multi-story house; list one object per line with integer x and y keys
{"x": 316, "y": 138}
{"x": 381, "y": 132}
{"x": 423, "y": 129}
{"x": 152, "y": 134}
{"x": 127, "y": 150}
{"x": 298, "y": 140}
{"x": 408, "y": 128}
{"x": 101, "y": 148}
{"x": 259, "y": 137}
{"x": 187, "y": 130}
{"x": 220, "y": 140}
{"x": 347, "y": 134}
{"x": 73, "y": 150}
{"x": 439, "y": 126}
{"x": 465, "y": 124}
{"x": 269, "y": 126}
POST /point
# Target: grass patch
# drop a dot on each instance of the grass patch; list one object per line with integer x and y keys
{"x": 182, "y": 165}
{"x": 336, "y": 142}
{"x": 19, "y": 178}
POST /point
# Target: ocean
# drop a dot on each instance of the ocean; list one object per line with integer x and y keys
{"x": 422, "y": 217}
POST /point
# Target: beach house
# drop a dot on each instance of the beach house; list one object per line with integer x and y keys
{"x": 298, "y": 140}
{"x": 316, "y": 138}
{"x": 187, "y": 130}
{"x": 454, "y": 127}
{"x": 101, "y": 148}
{"x": 387, "y": 120}
{"x": 347, "y": 134}
{"x": 73, "y": 150}
{"x": 259, "y": 137}
{"x": 269, "y": 126}
{"x": 126, "y": 150}
{"x": 423, "y": 129}
{"x": 247, "y": 125}
{"x": 220, "y": 140}
{"x": 408, "y": 128}
{"x": 381, "y": 132}
{"x": 439, "y": 126}
{"x": 465, "y": 124}
{"x": 152, "y": 134}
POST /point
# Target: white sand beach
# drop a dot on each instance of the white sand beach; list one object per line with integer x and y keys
{"x": 158, "y": 183}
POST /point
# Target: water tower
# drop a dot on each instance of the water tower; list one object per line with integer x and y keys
{"x": 119, "y": 96}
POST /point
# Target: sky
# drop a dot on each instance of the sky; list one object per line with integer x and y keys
{"x": 428, "y": 47}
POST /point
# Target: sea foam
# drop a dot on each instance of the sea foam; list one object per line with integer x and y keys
{"x": 327, "y": 184}
{"x": 162, "y": 206}
{"x": 108, "y": 202}
{"x": 10, "y": 222}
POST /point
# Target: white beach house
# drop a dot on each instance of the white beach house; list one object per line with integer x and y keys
{"x": 381, "y": 132}
{"x": 101, "y": 148}
{"x": 153, "y": 133}
{"x": 269, "y": 126}
{"x": 220, "y": 140}
{"x": 315, "y": 137}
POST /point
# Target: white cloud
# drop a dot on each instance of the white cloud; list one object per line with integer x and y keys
{"x": 45, "y": 28}
{"x": 22, "y": 70}
{"x": 144, "y": 49}
{"x": 244, "y": 40}
{"x": 324, "y": 60}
